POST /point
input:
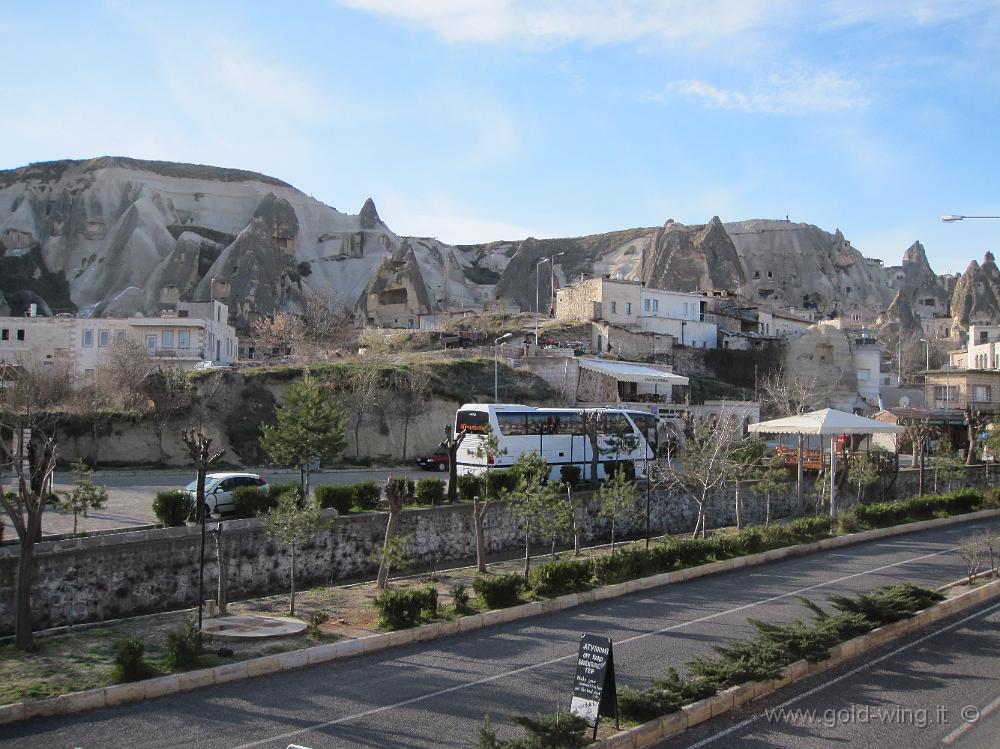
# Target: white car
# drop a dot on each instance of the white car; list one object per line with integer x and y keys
{"x": 219, "y": 488}
{"x": 207, "y": 364}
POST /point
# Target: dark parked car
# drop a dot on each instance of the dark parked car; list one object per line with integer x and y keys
{"x": 436, "y": 462}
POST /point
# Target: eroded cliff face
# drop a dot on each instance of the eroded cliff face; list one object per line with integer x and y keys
{"x": 129, "y": 236}
{"x": 977, "y": 294}
{"x": 120, "y": 236}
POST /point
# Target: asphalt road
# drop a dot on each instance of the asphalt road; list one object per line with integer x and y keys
{"x": 937, "y": 688}
{"x": 131, "y": 492}
{"x": 437, "y": 693}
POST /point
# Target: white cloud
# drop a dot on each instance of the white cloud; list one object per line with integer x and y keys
{"x": 590, "y": 21}
{"x": 801, "y": 93}
{"x": 689, "y": 21}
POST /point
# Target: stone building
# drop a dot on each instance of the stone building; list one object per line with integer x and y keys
{"x": 635, "y": 307}
{"x": 193, "y": 332}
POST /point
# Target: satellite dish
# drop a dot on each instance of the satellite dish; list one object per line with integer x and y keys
{"x": 904, "y": 401}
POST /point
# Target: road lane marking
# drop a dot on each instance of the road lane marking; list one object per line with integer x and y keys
{"x": 739, "y": 726}
{"x": 966, "y": 727}
{"x": 573, "y": 654}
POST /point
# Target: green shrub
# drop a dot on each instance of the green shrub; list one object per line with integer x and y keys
{"x": 184, "y": 647}
{"x": 315, "y": 621}
{"x": 571, "y": 475}
{"x": 887, "y": 604}
{"x": 563, "y": 730}
{"x": 172, "y": 508}
{"x": 559, "y": 577}
{"x": 367, "y": 495}
{"x": 430, "y": 491}
{"x": 613, "y": 466}
{"x": 499, "y": 591}
{"x": 399, "y": 609}
{"x": 460, "y": 600}
{"x": 609, "y": 569}
{"x": 499, "y": 480}
{"x": 811, "y": 527}
{"x": 129, "y": 662}
{"x": 276, "y": 490}
{"x": 691, "y": 551}
{"x": 338, "y": 496}
{"x": 250, "y": 501}
{"x": 665, "y": 696}
{"x": 469, "y": 486}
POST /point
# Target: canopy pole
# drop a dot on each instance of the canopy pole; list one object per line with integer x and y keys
{"x": 833, "y": 476}
{"x": 799, "y": 475}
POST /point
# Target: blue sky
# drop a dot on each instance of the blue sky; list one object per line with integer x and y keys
{"x": 475, "y": 120}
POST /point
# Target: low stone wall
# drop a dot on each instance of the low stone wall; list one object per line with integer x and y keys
{"x": 104, "y": 577}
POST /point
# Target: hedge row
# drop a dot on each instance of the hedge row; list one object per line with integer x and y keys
{"x": 399, "y": 609}
{"x": 881, "y": 514}
{"x": 344, "y": 498}
{"x": 774, "y": 647}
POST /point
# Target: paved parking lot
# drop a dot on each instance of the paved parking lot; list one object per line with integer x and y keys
{"x": 131, "y": 492}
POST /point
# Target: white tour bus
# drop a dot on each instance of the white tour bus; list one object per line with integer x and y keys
{"x": 554, "y": 433}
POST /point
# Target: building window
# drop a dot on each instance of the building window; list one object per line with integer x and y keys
{"x": 88, "y": 338}
{"x": 168, "y": 339}
{"x": 151, "y": 343}
{"x": 946, "y": 393}
{"x": 103, "y": 338}
{"x": 614, "y": 308}
{"x": 982, "y": 393}
{"x": 183, "y": 339}
{"x": 119, "y": 336}
{"x": 656, "y": 305}
{"x": 5, "y": 334}
{"x": 628, "y": 308}
{"x": 20, "y": 334}
{"x": 645, "y": 305}
{"x": 770, "y": 274}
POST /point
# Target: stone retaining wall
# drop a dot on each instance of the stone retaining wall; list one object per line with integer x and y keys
{"x": 104, "y": 577}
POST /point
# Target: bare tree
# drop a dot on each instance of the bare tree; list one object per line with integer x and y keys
{"x": 396, "y": 494}
{"x": 363, "y": 395}
{"x": 327, "y": 322}
{"x": 920, "y": 433}
{"x": 199, "y": 447}
{"x": 488, "y": 450}
{"x": 704, "y": 465}
{"x": 279, "y": 335}
{"x": 976, "y": 423}
{"x": 787, "y": 394}
{"x": 123, "y": 371}
{"x": 971, "y": 550}
{"x": 168, "y": 389}
{"x": 593, "y": 424}
{"x": 410, "y": 399}
{"x": 28, "y": 453}
{"x": 451, "y": 445}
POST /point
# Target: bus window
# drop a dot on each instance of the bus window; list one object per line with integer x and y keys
{"x": 570, "y": 423}
{"x": 542, "y": 423}
{"x": 512, "y": 424}
{"x": 473, "y": 422}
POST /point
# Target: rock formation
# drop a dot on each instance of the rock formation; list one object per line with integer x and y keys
{"x": 119, "y": 236}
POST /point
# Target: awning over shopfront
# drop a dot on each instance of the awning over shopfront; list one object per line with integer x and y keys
{"x": 627, "y": 372}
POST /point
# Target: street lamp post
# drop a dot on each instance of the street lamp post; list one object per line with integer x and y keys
{"x": 927, "y": 349}
{"x": 950, "y": 218}
{"x": 496, "y": 366}
{"x": 537, "y": 266}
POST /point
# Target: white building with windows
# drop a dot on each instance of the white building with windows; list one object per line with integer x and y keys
{"x": 633, "y": 305}
{"x": 194, "y": 332}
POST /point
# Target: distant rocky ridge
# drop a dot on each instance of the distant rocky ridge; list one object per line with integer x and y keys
{"x": 120, "y": 236}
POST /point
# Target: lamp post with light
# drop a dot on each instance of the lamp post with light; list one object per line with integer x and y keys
{"x": 496, "y": 366}
{"x": 927, "y": 349}
{"x": 951, "y": 218}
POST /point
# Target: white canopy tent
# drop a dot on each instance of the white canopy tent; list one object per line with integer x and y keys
{"x": 628, "y": 372}
{"x": 827, "y": 421}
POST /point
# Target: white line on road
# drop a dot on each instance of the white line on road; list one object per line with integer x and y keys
{"x": 542, "y": 664}
{"x": 739, "y": 726}
{"x": 966, "y": 727}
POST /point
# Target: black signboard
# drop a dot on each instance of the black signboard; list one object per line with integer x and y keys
{"x": 594, "y": 691}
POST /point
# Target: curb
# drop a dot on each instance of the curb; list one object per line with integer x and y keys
{"x": 132, "y": 692}
{"x": 673, "y": 724}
